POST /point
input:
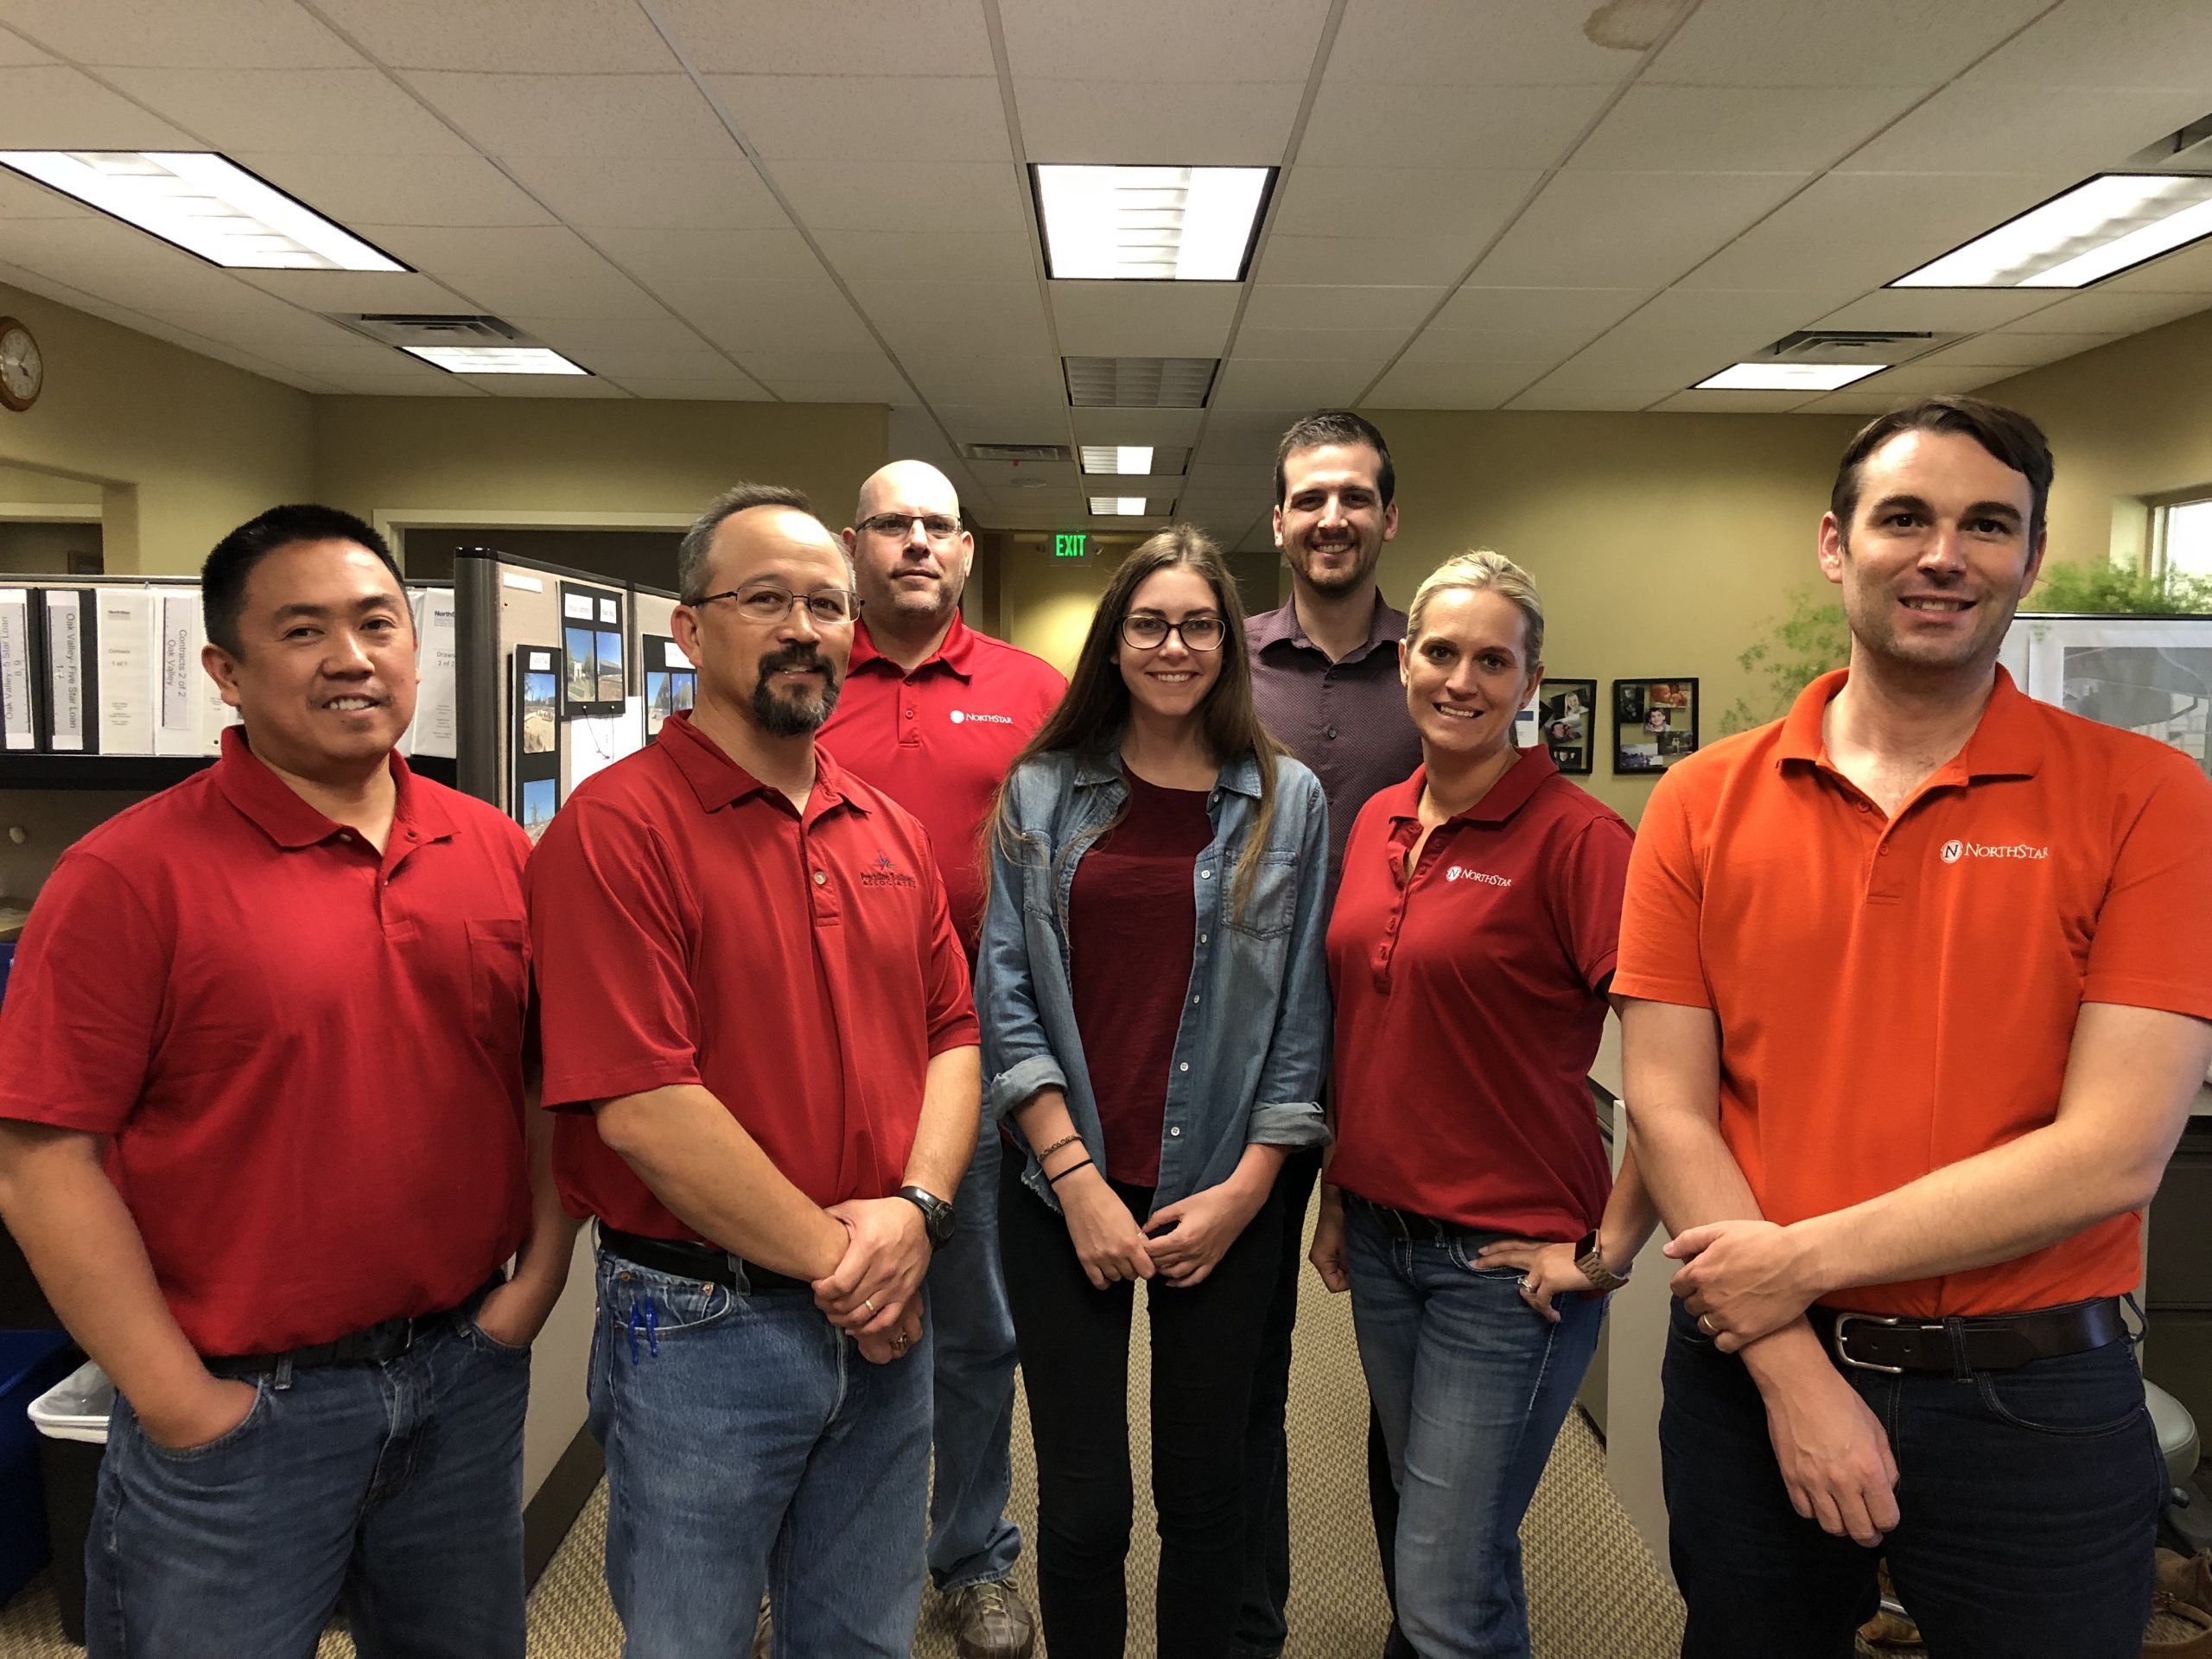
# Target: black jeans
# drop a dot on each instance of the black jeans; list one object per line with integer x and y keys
{"x": 2028, "y": 1503}
{"x": 1074, "y": 1343}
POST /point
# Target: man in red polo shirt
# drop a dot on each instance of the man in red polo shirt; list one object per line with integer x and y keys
{"x": 756, "y": 1009}
{"x": 1918, "y": 999}
{"x": 932, "y": 716}
{"x": 262, "y": 1079}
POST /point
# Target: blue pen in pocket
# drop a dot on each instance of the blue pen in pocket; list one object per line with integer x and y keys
{"x": 644, "y": 1314}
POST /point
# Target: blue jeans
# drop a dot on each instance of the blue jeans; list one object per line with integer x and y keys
{"x": 750, "y": 1448}
{"x": 1471, "y": 1384}
{"x": 391, "y": 1492}
{"x": 2028, "y": 1503}
{"x": 971, "y": 1542}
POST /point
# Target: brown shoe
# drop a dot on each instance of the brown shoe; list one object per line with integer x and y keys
{"x": 2187, "y": 1579}
{"x": 991, "y": 1621}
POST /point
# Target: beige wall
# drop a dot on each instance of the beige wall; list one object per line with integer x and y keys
{"x": 586, "y": 457}
{"x": 183, "y": 447}
{"x": 2125, "y": 421}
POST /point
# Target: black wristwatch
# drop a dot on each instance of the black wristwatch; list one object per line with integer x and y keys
{"x": 937, "y": 1214}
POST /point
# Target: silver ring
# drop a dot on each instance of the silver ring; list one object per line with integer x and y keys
{"x": 1528, "y": 1284}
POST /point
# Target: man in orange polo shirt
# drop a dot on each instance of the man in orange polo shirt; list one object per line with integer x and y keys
{"x": 1916, "y": 998}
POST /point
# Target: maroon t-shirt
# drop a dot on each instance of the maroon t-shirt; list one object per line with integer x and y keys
{"x": 1132, "y": 924}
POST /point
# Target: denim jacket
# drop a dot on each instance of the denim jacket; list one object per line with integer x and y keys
{"x": 1254, "y": 1043}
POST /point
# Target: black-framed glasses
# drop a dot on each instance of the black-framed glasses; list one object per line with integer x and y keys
{"x": 768, "y": 605}
{"x": 1148, "y": 632}
{"x": 936, "y": 526}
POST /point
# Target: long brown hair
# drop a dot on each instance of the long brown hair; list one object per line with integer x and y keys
{"x": 1093, "y": 715}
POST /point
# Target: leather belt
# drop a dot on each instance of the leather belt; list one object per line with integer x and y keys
{"x": 380, "y": 1344}
{"x": 704, "y": 1262}
{"x": 1877, "y": 1342}
{"x": 1416, "y": 1229}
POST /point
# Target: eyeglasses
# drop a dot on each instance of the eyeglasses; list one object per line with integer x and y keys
{"x": 1146, "y": 632}
{"x": 936, "y": 526}
{"x": 830, "y": 607}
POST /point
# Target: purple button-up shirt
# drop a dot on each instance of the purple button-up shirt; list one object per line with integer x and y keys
{"x": 1346, "y": 720}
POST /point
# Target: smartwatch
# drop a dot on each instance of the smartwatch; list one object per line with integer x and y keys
{"x": 937, "y": 1214}
{"x": 1592, "y": 1262}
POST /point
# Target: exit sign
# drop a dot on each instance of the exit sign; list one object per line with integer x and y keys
{"x": 1069, "y": 546}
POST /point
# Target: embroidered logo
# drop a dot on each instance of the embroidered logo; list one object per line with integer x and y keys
{"x": 1954, "y": 850}
{"x": 884, "y": 874}
{"x": 961, "y": 716}
{"x": 1462, "y": 873}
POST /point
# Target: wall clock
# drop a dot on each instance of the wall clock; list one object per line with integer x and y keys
{"x": 23, "y": 371}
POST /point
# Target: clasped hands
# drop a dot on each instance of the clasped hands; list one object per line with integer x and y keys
{"x": 1743, "y": 1279}
{"x": 874, "y": 1291}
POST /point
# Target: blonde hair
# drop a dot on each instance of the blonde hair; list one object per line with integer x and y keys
{"x": 1476, "y": 570}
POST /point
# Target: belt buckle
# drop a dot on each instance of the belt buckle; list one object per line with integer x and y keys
{"x": 1843, "y": 1323}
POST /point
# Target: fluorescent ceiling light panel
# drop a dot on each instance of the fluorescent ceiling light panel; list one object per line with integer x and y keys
{"x": 2115, "y": 220}
{"x": 1787, "y": 377}
{"x": 1149, "y": 224}
{"x": 1118, "y": 506}
{"x": 1130, "y": 458}
{"x": 205, "y": 204}
{"x": 495, "y": 360}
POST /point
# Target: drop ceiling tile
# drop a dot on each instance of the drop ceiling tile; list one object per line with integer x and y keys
{"x": 272, "y": 327}
{"x": 778, "y": 254}
{"x": 1266, "y": 384}
{"x": 1923, "y": 379}
{"x": 1241, "y": 475}
{"x": 948, "y": 376}
{"x": 699, "y": 362}
{"x": 362, "y": 384}
{"x": 1438, "y": 259}
{"x": 1143, "y": 319}
{"x": 357, "y": 291}
{"x": 1369, "y": 346}
{"x": 1940, "y": 310}
{"x": 1303, "y": 306}
{"x": 1453, "y": 385}
{"x": 831, "y": 37}
{"x": 1964, "y": 129}
{"x": 930, "y": 256}
{"x": 2012, "y": 351}
{"x": 1178, "y": 427}
{"x": 1008, "y": 316}
{"x": 1853, "y": 400}
{"x": 1316, "y": 201}
{"x": 56, "y": 107}
{"x": 936, "y": 196}
{"x": 1768, "y": 315}
{"x": 637, "y": 192}
{"x": 733, "y": 390}
{"x": 1818, "y": 43}
{"x": 1243, "y": 436}
{"x": 459, "y": 191}
{"x": 2185, "y": 270}
{"x": 1018, "y": 422}
{"x": 747, "y": 317}
{"x": 1164, "y": 41}
{"x": 1477, "y": 44}
{"x": 1733, "y": 403}
{"x": 1727, "y": 129}
{"x": 1355, "y": 124}
{"x": 852, "y": 377}
{"x": 850, "y": 119}
{"x": 2112, "y": 45}
{"x": 1862, "y": 230}
{"x": 1481, "y": 323}
{"x": 16, "y": 52}
{"x": 2101, "y": 310}
{"x": 546, "y": 272}
{"x": 661, "y": 117}
{"x": 512, "y": 36}
{"x": 1630, "y": 230}
{"x": 1235, "y": 123}
{"x": 24, "y": 198}
{"x": 1545, "y": 394}
{"x": 292, "y": 111}
{"x": 207, "y": 34}
{"x": 565, "y": 387}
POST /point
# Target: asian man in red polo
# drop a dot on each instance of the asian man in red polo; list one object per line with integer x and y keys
{"x": 758, "y": 1022}
{"x": 262, "y": 1139}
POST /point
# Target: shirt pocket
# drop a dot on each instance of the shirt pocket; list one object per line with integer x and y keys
{"x": 1272, "y": 906}
{"x": 498, "y": 982}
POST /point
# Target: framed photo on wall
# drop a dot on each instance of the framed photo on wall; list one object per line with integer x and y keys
{"x": 671, "y": 682}
{"x": 1655, "y": 723}
{"x": 534, "y": 736}
{"x": 1566, "y": 722}
{"x": 595, "y": 682}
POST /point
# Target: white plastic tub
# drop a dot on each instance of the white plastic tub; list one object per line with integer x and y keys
{"x": 76, "y": 1408}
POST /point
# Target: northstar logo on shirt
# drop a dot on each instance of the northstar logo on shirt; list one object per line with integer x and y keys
{"x": 884, "y": 874}
{"x": 1462, "y": 873}
{"x": 1955, "y": 850}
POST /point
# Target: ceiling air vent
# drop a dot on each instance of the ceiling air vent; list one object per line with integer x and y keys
{"x": 1140, "y": 382}
{"x": 1883, "y": 345}
{"x": 1016, "y": 452}
{"x": 403, "y": 329}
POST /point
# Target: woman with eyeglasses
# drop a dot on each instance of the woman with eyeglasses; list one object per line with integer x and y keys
{"x": 1156, "y": 1028}
{"x": 1465, "y": 1203}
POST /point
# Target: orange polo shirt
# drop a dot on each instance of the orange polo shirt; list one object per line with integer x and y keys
{"x": 1895, "y": 995}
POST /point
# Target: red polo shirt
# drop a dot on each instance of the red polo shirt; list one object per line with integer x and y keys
{"x": 1469, "y": 1004}
{"x": 1896, "y": 994}
{"x": 309, "y": 1056}
{"x": 692, "y": 926}
{"x": 939, "y": 739}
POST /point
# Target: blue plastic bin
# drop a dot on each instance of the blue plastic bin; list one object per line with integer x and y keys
{"x": 31, "y": 1362}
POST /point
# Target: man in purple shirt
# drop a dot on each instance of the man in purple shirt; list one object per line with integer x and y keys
{"x": 1325, "y": 675}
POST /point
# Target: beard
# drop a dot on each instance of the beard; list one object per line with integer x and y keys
{"x": 1342, "y": 579}
{"x": 794, "y": 714}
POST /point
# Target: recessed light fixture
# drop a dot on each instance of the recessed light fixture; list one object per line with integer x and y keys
{"x": 1140, "y": 382}
{"x": 1149, "y": 224}
{"x": 204, "y": 203}
{"x": 1118, "y": 506}
{"x": 495, "y": 360}
{"x": 2115, "y": 221}
{"x": 1135, "y": 458}
{"x": 1787, "y": 377}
